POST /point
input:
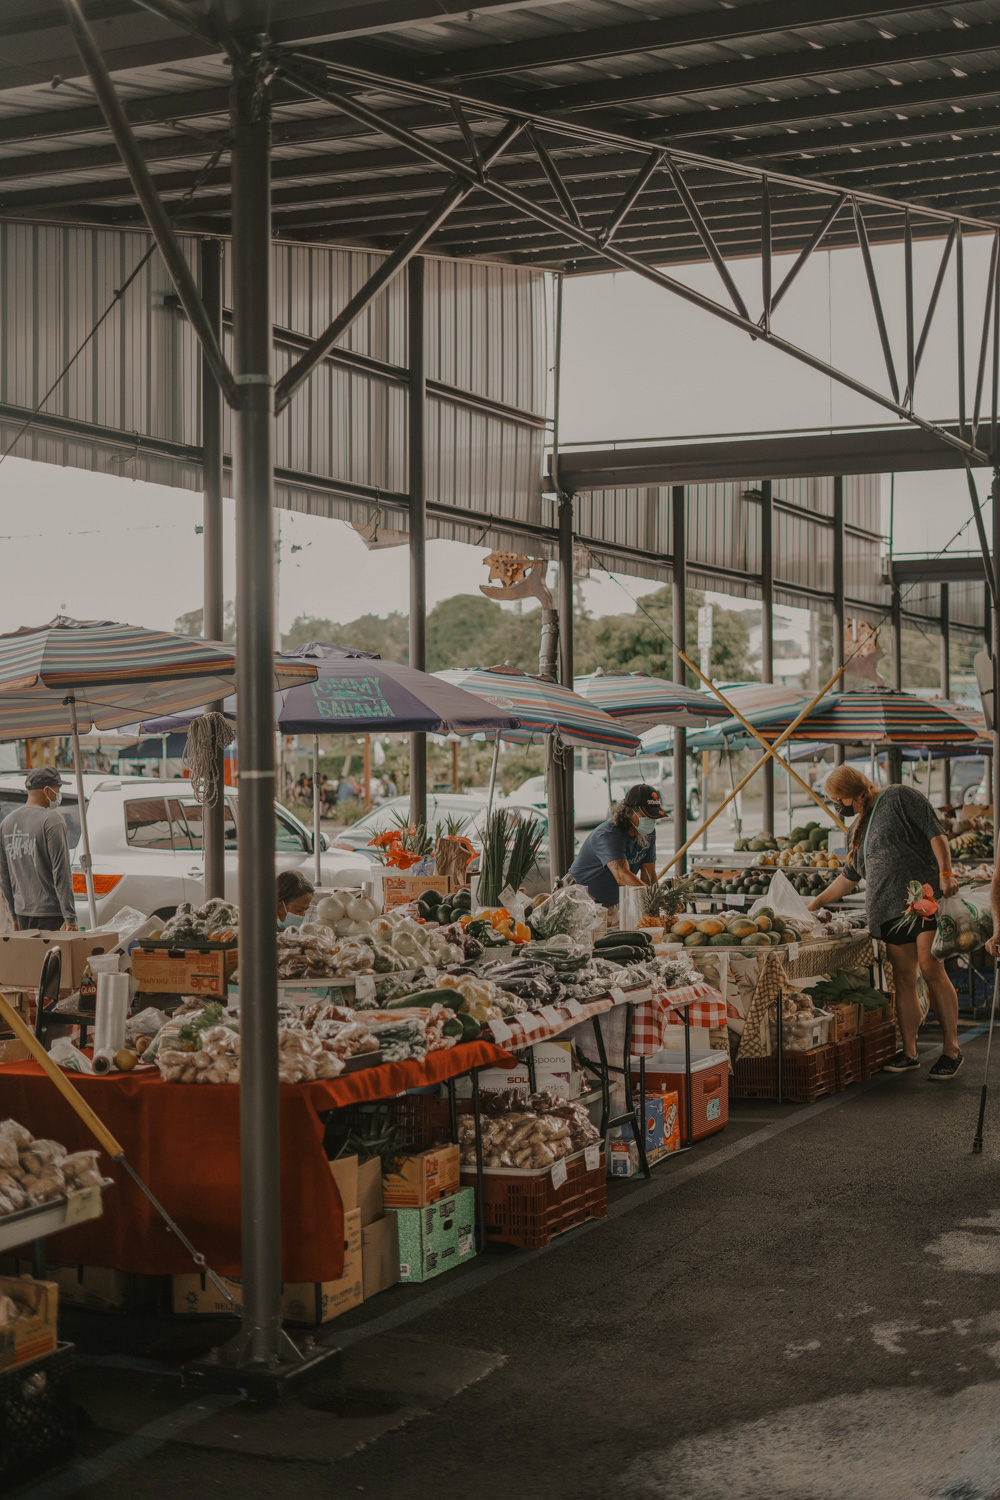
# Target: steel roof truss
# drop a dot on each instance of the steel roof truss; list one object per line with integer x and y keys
{"x": 630, "y": 197}
{"x": 705, "y": 235}
{"x": 814, "y": 240}
{"x": 883, "y": 332}
{"x": 984, "y": 340}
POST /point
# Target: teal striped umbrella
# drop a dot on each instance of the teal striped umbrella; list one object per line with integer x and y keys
{"x": 886, "y": 716}
{"x": 770, "y": 708}
{"x": 643, "y": 703}
{"x": 94, "y": 674}
{"x": 543, "y": 708}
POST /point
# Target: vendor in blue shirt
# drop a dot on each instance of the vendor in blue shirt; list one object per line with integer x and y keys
{"x": 621, "y": 850}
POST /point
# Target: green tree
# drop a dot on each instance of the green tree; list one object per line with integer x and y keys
{"x": 643, "y": 641}
{"x": 191, "y": 623}
{"x": 387, "y": 634}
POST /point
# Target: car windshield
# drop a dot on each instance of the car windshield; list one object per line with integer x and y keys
{"x": 12, "y": 798}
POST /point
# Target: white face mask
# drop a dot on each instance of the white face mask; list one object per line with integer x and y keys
{"x": 646, "y": 826}
{"x": 57, "y": 799}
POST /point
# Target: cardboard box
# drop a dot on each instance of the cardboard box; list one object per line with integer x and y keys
{"x": 436, "y": 1238}
{"x": 418, "y": 1180}
{"x": 360, "y": 1185}
{"x": 183, "y": 971}
{"x": 553, "y": 1070}
{"x": 23, "y": 953}
{"x": 623, "y": 1158}
{"x": 344, "y": 1171}
{"x": 29, "y": 1338}
{"x": 397, "y": 890}
{"x": 96, "y": 1287}
{"x": 304, "y": 1302}
{"x": 380, "y": 1255}
{"x": 653, "y": 1124}
{"x": 844, "y": 1022}
{"x": 13, "y": 1051}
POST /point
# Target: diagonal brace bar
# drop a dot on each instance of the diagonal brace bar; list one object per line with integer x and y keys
{"x": 390, "y": 268}
{"x": 981, "y": 531}
{"x": 630, "y": 198}
{"x": 814, "y": 239}
{"x": 883, "y": 332}
{"x": 152, "y": 205}
{"x": 932, "y": 307}
{"x": 694, "y": 213}
{"x": 552, "y": 173}
{"x": 984, "y": 341}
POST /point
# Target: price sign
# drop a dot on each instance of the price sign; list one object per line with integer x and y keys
{"x": 551, "y": 1016}
{"x": 793, "y": 952}
{"x": 558, "y": 1173}
{"x": 592, "y": 1156}
{"x": 734, "y": 900}
{"x": 81, "y": 1205}
{"x": 572, "y": 1007}
{"x": 618, "y": 996}
{"x": 501, "y": 1032}
{"x": 364, "y": 987}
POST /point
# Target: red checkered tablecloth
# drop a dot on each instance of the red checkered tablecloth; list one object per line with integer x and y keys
{"x": 704, "y": 1005}
{"x": 523, "y": 1031}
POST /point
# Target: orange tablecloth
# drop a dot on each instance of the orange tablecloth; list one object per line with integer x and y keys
{"x": 183, "y": 1140}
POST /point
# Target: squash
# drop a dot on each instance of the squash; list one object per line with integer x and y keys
{"x": 711, "y": 926}
{"x": 696, "y": 940}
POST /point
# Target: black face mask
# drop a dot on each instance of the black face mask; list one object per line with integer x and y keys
{"x": 843, "y": 809}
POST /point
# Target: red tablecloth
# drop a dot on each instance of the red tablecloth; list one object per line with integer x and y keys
{"x": 660, "y": 1016}
{"x": 183, "y": 1140}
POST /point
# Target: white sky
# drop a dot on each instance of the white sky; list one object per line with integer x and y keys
{"x": 639, "y": 362}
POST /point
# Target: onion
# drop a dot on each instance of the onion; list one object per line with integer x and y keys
{"x": 330, "y": 910}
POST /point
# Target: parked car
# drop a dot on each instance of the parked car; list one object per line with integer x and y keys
{"x": 656, "y": 771}
{"x": 590, "y": 797}
{"x": 146, "y": 842}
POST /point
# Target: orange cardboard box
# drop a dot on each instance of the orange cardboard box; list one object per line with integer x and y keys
{"x": 29, "y": 1338}
{"x": 184, "y": 972}
{"x": 397, "y": 890}
{"x": 419, "y": 1180}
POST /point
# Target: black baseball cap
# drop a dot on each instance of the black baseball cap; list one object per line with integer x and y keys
{"x": 42, "y": 776}
{"x": 646, "y": 799}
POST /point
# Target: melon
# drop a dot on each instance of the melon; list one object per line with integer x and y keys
{"x": 762, "y": 923}
{"x": 683, "y": 928}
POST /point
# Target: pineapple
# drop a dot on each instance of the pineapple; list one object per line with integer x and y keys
{"x": 662, "y": 902}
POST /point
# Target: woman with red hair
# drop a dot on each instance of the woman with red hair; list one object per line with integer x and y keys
{"x": 896, "y": 838}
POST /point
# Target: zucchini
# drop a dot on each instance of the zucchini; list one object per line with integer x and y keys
{"x": 629, "y": 937}
{"x": 623, "y": 955}
{"x": 465, "y": 1028}
{"x": 425, "y": 998}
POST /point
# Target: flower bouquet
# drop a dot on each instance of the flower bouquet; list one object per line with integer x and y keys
{"x": 920, "y": 904}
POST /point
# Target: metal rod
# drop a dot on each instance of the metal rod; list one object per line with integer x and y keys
{"x": 630, "y": 197}
{"x": 981, "y": 533}
{"x": 493, "y": 774}
{"x": 811, "y": 244}
{"x": 554, "y": 784}
{"x": 933, "y": 302}
{"x": 911, "y": 370}
{"x": 678, "y": 545}
{"x": 996, "y": 656}
{"x": 839, "y": 612}
{"x": 86, "y": 862}
{"x": 960, "y": 325}
{"x": 317, "y": 836}
{"x": 471, "y": 144}
{"x": 996, "y": 361}
{"x": 737, "y": 816}
{"x": 767, "y": 628}
{"x": 355, "y": 110}
{"x": 554, "y": 179}
{"x": 883, "y": 332}
{"x": 389, "y": 269}
{"x": 181, "y": 15}
{"x": 945, "y": 611}
{"x": 253, "y": 465}
{"x": 977, "y": 1140}
{"x": 213, "y": 827}
{"x": 149, "y": 199}
{"x": 566, "y": 659}
{"x": 984, "y": 340}
{"x": 765, "y": 253}
{"x": 705, "y": 235}
{"x": 416, "y": 418}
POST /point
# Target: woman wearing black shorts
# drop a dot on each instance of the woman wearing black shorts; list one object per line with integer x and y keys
{"x": 897, "y": 838}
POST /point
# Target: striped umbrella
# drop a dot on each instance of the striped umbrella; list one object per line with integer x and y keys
{"x": 643, "y": 703}
{"x": 885, "y": 716}
{"x": 94, "y": 674}
{"x": 542, "y": 708}
{"x": 767, "y": 706}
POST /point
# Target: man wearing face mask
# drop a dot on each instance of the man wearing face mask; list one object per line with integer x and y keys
{"x": 621, "y": 850}
{"x": 35, "y": 874}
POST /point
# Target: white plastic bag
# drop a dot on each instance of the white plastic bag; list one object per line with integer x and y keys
{"x": 784, "y": 901}
{"x": 629, "y": 906}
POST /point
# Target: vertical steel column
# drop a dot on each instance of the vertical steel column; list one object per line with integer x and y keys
{"x": 894, "y": 758}
{"x": 995, "y": 604}
{"x": 213, "y": 623}
{"x": 253, "y": 469}
{"x": 945, "y": 682}
{"x": 767, "y": 628}
{"x": 678, "y": 498}
{"x": 566, "y": 658}
{"x": 416, "y": 397}
{"x": 839, "y": 612}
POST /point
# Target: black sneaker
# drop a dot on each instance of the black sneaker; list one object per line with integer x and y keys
{"x": 946, "y": 1067}
{"x": 901, "y": 1063}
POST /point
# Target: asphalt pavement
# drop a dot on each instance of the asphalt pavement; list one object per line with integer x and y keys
{"x": 806, "y": 1307}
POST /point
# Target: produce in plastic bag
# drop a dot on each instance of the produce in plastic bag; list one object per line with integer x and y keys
{"x": 569, "y": 909}
{"x": 783, "y": 900}
{"x": 961, "y": 927}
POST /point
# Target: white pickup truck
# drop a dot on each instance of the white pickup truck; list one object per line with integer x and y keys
{"x": 146, "y": 841}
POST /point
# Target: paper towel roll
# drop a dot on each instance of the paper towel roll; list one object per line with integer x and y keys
{"x": 110, "y": 1013}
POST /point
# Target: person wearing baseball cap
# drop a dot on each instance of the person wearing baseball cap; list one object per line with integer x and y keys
{"x": 621, "y": 850}
{"x": 35, "y": 874}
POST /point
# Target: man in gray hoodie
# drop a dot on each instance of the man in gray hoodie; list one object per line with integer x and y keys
{"x": 35, "y": 874}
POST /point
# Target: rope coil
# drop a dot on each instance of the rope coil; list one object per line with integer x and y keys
{"x": 208, "y": 738}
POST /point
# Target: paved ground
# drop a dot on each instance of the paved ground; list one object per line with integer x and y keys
{"x": 807, "y": 1308}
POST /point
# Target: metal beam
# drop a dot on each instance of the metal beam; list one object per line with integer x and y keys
{"x": 816, "y": 238}
{"x": 869, "y": 265}
{"x": 159, "y": 224}
{"x": 213, "y": 623}
{"x": 416, "y": 468}
{"x": 945, "y": 682}
{"x": 386, "y": 272}
{"x": 630, "y": 197}
{"x": 767, "y": 629}
{"x": 678, "y": 545}
{"x": 705, "y": 235}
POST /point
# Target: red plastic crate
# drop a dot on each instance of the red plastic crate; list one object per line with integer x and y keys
{"x": 524, "y": 1209}
{"x": 878, "y": 1047}
{"x": 420, "y": 1120}
{"x": 805, "y": 1076}
{"x": 847, "y": 1061}
{"x": 709, "y": 1095}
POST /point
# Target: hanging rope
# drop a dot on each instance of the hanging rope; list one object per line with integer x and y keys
{"x": 208, "y": 737}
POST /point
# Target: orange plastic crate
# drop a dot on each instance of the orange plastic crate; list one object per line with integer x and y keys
{"x": 805, "y": 1076}
{"x": 524, "y": 1209}
{"x": 847, "y": 1061}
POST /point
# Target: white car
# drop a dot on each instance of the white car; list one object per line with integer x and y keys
{"x": 146, "y": 842}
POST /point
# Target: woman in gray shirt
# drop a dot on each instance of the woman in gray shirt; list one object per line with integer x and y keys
{"x": 897, "y": 838}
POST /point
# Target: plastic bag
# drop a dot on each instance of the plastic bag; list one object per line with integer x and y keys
{"x": 630, "y": 907}
{"x": 961, "y": 927}
{"x": 784, "y": 901}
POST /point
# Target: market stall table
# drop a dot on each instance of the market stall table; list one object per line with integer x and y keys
{"x": 183, "y": 1140}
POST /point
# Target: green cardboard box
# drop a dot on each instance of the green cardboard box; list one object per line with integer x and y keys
{"x": 436, "y": 1238}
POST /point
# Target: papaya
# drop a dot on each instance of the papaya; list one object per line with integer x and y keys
{"x": 711, "y": 926}
{"x": 722, "y": 940}
{"x": 762, "y": 923}
{"x": 683, "y": 928}
{"x": 741, "y": 927}
{"x": 696, "y": 940}
{"x": 756, "y": 940}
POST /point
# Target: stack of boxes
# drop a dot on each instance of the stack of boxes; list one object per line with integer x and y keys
{"x": 661, "y": 1135}
{"x": 436, "y": 1217}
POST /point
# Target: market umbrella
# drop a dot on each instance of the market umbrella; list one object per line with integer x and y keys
{"x": 356, "y": 692}
{"x": 767, "y": 706}
{"x": 887, "y": 717}
{"x": 642, "y": 703}
{"x": 68, "y": 675}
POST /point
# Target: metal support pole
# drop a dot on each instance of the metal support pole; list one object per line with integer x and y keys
{"x": 418, "y": 520}
{"x": 894, "y": 757}
{"x": 839, "y": 612}
{"x": 996, "y": 654}
{"x": 767, "y": 628}
{"x": 212, "y": 620}
{"x": 566, "y": 657}
{"x": 555, "y": 782}
{"x": 678, "y": 497}
{"x": 945, "y": 688}
{"x": 261, "y": 1340}
{"x": 317, "y": 835}
{"x": 86, "y": 861}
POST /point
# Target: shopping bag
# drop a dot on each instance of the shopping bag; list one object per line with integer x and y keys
{"x": 630, "y": 906}
{"x": 961, "y": 927}
{"x": 783, "y": 900}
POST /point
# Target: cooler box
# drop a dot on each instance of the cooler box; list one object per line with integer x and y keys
{"x": 709, "y": 1088}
